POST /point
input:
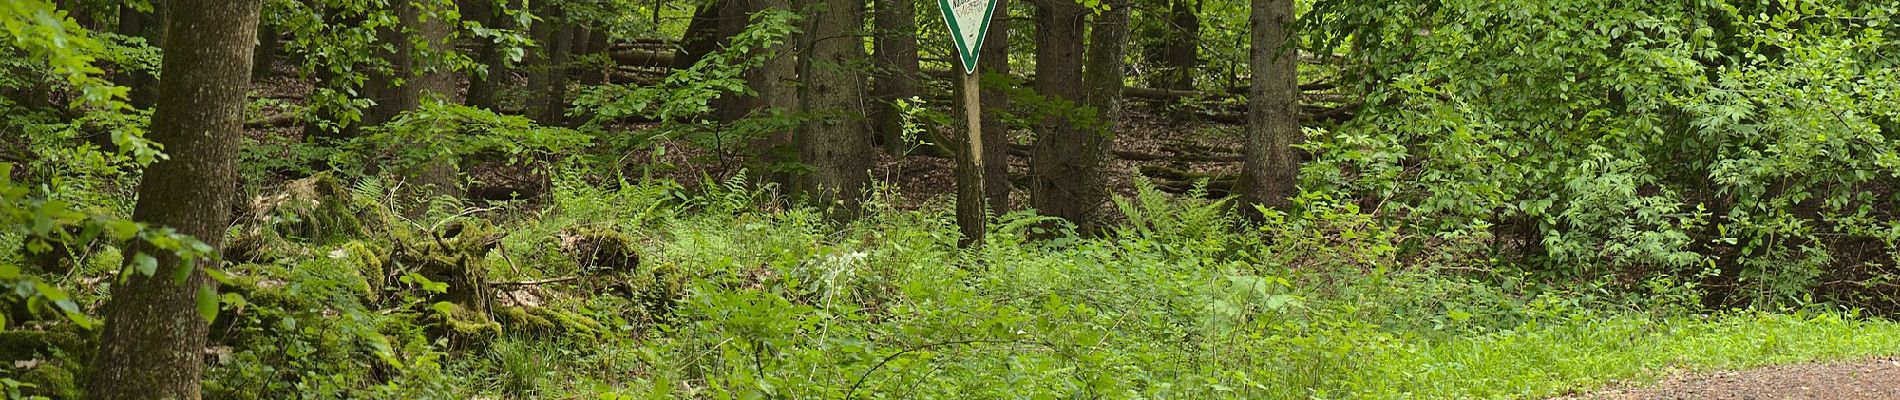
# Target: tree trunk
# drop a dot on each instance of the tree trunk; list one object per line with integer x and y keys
{"x": 264, "y": 56}
{"x": 151, "y": 27}
{"x": 1272, "y": 169}
{"x": 995, "y": 62}
{"x": 596, "y": 51}
{"x": 777, "y": 93}
{"x": 1066, "y": 179}
{"x": 834, "y": 141}
{"x": 154, "y": 338}
{"x": 551, "y": 104}
{"x": 702, "y": 34}
{"x": 1183, "y": 51}
{"x": 420, "y": 78}
{"x": 482, "y": 85}
{"x": 897, "y": 69}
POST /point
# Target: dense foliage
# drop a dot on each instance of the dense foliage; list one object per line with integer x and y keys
{"x": 612, "y": 199}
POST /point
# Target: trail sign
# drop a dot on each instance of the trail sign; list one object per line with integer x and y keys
{"x": 968, "y": 21}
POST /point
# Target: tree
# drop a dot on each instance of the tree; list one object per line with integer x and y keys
{"x": 775, "y": 93}
{"x": 483, "y": 84}
{"x": 1271, "y": 169}
{"x": 154, "y": 338}
{"x": 145, "y": 25}
{"x": 897, "y": 68}
{"x": 1179, "y": 50}
{"x": 994, "y": 63}
{"x": 555, "y": 36}
{"x": 1066, "y": 173}
{"x": 833, "y": 141}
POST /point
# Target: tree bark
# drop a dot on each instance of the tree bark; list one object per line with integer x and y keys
{"x": 595, "y": 72}
{"x": 833, "y": 140}
{"x": 1182, "y": 53}
{"x": 995, "y": 100}
{"x": 1066, "y": 179}
{"x": 551, "y": 104}
{"x": 265, "y": 55}
{"x": 154, "y": 338}
{"x": 151, "y": 27}
{"x": 775, "y": 85}
{"x": 897, "y": 69}
{"x": 483, "y": 85}
{"x": 1272, "y": 169}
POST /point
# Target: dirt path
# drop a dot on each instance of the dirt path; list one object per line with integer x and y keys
{"x": 1850, "y": 380}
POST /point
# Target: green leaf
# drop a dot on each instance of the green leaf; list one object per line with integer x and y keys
{"x": 208, "y": 303}
{"x": 145, "y": 264}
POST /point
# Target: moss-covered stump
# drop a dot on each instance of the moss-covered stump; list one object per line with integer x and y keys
{"x": 52, "y": 380}
{"x": 318, "y": 209}
{"x": 464, "y": 328}
{"x": 23, "y": 345}
{"x": 600, "y": 250}
{"x": 543, "y": 321}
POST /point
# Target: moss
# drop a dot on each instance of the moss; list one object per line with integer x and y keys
{"x": 547, "y": 321}
{"x": 26, "y": 345}
{"x": 52, "y": 380}
{"x": 459, "y": 324}
{"x": 366, "y": 260}
{"x": 600, "y": 250}
{"x": 519, "y": 320}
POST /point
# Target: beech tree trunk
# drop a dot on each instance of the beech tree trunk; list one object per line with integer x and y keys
{"x": 897, "y": 69}
{"x": 1271, "y": 169}
{"x": 834, "y": 140}
{"x": 994, "y": 63}
{"x": 1066, "y": 179}
{"x": 153, "y": 343}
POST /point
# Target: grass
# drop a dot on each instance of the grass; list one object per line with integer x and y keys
{"x": 785, "y": 305}
{"x": 1179, "y": 301}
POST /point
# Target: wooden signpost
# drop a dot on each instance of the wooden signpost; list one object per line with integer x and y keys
{"x": 968, "y": 21}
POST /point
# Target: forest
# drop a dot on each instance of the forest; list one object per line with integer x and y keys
{"x": 875, "y": 199}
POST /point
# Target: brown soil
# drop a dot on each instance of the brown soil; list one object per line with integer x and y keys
{"x": 1848, "y": 380}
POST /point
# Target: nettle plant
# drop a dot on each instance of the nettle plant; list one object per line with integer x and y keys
{"x": 1738, "y": 143}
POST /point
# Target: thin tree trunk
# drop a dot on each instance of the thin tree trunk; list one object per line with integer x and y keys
{"x": 482, "y": 85}
{"x": 552, "y": 104}
{"x": 995, "y": 100}
{"x": 597, "y": 45}
{"x": 1183, "y": 51}
{"x": 154, "y": 338}
{"x": 834, "y": 141}
{"x": 1065, "y": 180}
{"x": 151, "y": 27}
{"x": 777, "y": 93}
{"x": 898, "y": 69}
{"x": 265, "y": 55}
{"x": 1271, "y": 171}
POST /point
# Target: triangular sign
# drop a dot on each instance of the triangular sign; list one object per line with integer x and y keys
{"x": 969, "y": 20}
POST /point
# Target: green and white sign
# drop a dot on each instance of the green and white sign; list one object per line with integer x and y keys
{"x": 968, "y": 20}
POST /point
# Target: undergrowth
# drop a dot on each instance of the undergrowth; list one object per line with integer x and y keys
{"x": 738, "y": 297}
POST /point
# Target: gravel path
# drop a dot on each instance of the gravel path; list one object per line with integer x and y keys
{"x": 1850, "y": 380}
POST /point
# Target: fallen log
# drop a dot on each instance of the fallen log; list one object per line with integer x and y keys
{"x": 274, "y": 121}
{"x": 642, "y": 57}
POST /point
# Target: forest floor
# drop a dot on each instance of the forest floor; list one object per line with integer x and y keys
{"x": 1847, "y": 380}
